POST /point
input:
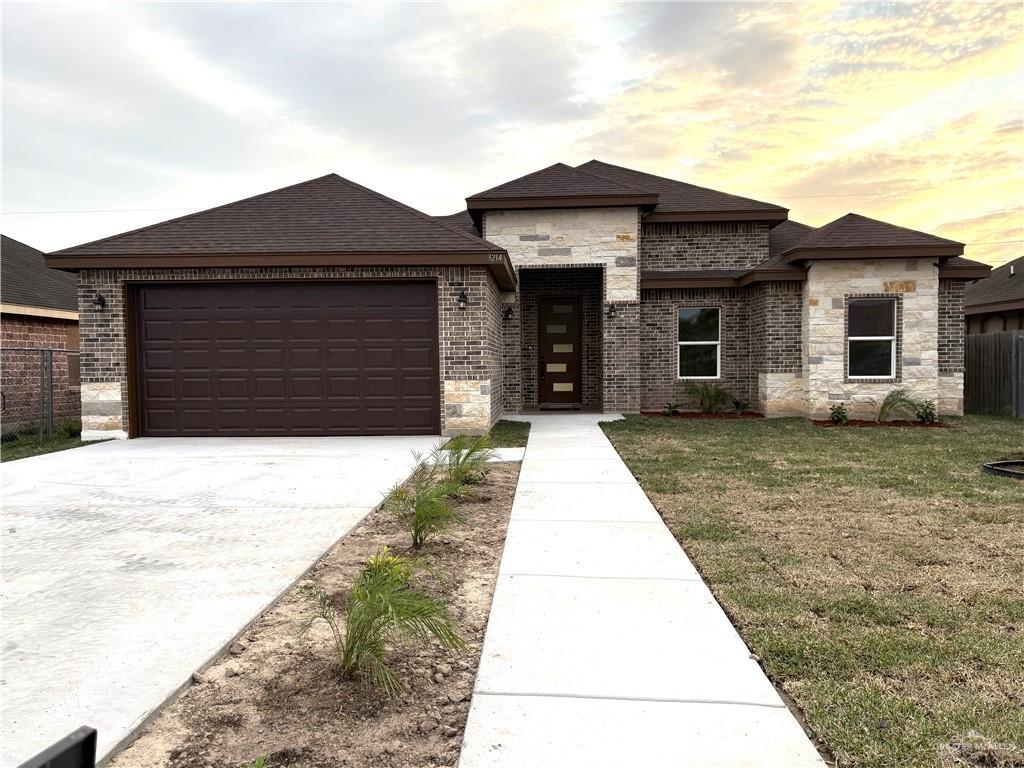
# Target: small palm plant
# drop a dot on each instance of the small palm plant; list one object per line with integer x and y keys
{"x": 424, "y": 503}
{"x": 899, "y": 399}
{"x": 383, "y": 605}
{"x": 465, "y": 458}
{"x": 710, "y": 397}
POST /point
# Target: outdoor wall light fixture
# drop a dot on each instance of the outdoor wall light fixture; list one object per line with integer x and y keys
{"x": 612, "y": 312}
{"x": 463, "y": 301}
{"x": 507, "y": 314}
{"x": 99, "y": 303}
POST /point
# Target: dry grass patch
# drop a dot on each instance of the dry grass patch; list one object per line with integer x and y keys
{"x": 877, "y": 574}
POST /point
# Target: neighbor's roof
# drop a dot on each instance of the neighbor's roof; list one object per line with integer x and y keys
{"x": 326, "y": 221}
{"x": 26, "y": 282}
{"x": 856, "y": 236}
{"x": 679, "y": 201}
{"x": 558, "y": 185}
{"x": 1002, "y": 288}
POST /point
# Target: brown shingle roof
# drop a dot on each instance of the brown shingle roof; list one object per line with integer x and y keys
{"x": 27, "y": 282}
{"x": 999, "y": 288}
{"x": 555, "y": 181}
{"x": 855, "y": 233}
{"x": 678, "y": 200}
{"x": 462, "y": 221}
{"x": 329, "y": 214}
{"x": 785, "y": 236}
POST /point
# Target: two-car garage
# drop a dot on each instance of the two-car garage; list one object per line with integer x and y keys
{"x": 286, "y": 358}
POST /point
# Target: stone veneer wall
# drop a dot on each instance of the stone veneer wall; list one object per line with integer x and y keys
{"x": 606, "y": 238}
{"x": 21, "y": 336}
{"x": 566, "y": 237}
{"x": 583, "y": 284}
{"x": 830, "y": 284}
{"x": 725, "y": 245}
{"x": 470, "y": 360}
{"x": 659, "y": 337}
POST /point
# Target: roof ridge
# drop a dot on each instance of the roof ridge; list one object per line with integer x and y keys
{"x": 684, "y": 183}
{"x": 848, "y": 218}
{"x": 119, "y": 235}
{"x": 559, "y": 164}
{"x": 420, "y": 214}
{"x": 579, "y": 169}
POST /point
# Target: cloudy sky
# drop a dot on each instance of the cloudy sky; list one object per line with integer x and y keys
{"x": 116, "y": 116}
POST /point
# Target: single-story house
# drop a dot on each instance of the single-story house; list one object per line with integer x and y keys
{"x": 38, "y": 312}
{"x": 996, "y": 304}
{"x": 326, "y": 308}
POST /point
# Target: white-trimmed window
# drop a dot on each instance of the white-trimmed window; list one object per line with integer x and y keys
{"x": 871, "y": 338}
{"x": 700, "y": 347}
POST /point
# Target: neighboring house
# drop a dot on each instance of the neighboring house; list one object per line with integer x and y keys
{"x": 997, "y": 304}
{"x": 38, "y": 311}
{"x": 327, "y": 308}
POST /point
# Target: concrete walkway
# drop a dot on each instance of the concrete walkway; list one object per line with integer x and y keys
{"x": 604, "y": 647}
{"x": 128, "y": 565}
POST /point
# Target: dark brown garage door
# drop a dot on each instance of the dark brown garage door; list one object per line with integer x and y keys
{"x": 239, "y": 359}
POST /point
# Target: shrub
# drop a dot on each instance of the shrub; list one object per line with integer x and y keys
{"x": 464, "y": 458}
{"x": 837, "y": 413}
{"x": 383, "y": 605}
{"x": 740, "y": 405}
{"x": 710, "y": 397}
{"x": 423, "y": 504}
{"x": 926, "y": 412}
{"x": 898, "y": 400}
{"x": 671, "y": 409}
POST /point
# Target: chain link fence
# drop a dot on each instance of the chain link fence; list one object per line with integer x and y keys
{"x": 39, "y": 391}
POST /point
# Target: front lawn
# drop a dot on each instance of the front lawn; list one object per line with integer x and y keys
{"x": 510, "y": 434}
{"x": 877, "y": 573}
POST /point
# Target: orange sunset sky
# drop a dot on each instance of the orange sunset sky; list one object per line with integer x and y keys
{"x": 116, "y": 116}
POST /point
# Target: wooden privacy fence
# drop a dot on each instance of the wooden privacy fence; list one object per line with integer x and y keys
{"x": 994, "y": 373}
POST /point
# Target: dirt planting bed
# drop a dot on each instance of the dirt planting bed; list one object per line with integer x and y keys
{"x": 726, "y": 415}
{"x": 892, "y": 423}
{"x": 280, "y": 697}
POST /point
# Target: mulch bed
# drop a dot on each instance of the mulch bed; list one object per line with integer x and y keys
{"x": 893, "y": 423}
{"x": 276, "y": 695}
{"x": 724, "y": 415}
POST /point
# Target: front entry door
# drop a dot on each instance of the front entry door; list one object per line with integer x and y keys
{"x": 559, "y": 353}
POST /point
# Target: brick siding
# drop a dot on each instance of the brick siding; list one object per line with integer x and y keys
{"x": 951, "y": 326}
{"x": 20, "y": 337}
{"x": 733, "y": 245}
{"x": 658, "y": 345}
{"x": 776, "y": 343}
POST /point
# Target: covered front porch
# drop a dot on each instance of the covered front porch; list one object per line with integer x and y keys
{"x": 553, "y": 340}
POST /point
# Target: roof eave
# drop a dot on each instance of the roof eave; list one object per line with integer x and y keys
{"x": 669, "y": 217}
{"x": 576, "y": 201}
{"x": 497, "y": 261}
{"x": 653, "y": 280}
{"x": 994, "y": 306}
{"x": 874, "y": 252}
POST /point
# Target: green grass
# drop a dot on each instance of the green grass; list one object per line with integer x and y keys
{"x": 21, "y": 445}
{"x": 877, "y": 573}
{"x": 510, "y": 434}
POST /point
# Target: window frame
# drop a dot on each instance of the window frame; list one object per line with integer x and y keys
{"x": 716, "y": 344}
{"x": 892, "y": 376}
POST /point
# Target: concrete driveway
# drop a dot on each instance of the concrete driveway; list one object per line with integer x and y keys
{"x": 127, "y": 565}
